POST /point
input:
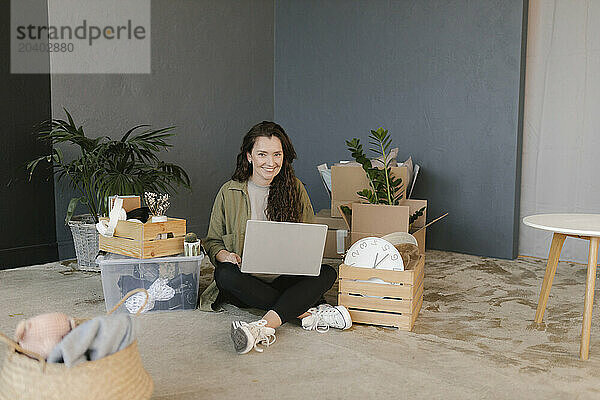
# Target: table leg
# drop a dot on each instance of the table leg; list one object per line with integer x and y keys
{"x": 584, "y": 348}
{"x": 558, "y": 239}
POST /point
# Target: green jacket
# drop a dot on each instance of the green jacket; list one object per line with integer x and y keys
{"x": 227, "y": 227}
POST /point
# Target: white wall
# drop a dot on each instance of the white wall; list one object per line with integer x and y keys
{"x": 561, "y": 135}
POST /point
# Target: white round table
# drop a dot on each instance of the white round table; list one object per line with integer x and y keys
{"x": 582, "y": 226}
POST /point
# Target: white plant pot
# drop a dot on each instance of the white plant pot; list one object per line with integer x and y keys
{"x": 192, "y": 249}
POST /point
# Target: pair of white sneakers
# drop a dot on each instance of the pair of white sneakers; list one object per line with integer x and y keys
{"x": 247, "y": 336}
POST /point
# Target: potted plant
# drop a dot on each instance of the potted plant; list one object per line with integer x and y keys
{"x": 384, "y": 187}
{"x": 104, "y": 167}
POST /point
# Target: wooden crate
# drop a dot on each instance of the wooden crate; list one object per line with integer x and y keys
{"x": 394, "y": 305}
{"x": 140, "y": 240}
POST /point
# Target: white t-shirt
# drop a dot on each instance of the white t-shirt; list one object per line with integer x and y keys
{"x": 258, "y": 201}
{"x": 259, "y": 196}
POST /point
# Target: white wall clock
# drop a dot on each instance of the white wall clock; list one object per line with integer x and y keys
{"x": 374, "y": 252}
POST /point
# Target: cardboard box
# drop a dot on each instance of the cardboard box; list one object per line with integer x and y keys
{"x": 334, "y": 247}
{"x": 324, "y": 217}
{"x": 346, "y": 180}
{"x": 380, "y": 220}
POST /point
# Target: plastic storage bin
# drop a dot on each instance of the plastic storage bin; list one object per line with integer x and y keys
{"x": 172, "y": 282}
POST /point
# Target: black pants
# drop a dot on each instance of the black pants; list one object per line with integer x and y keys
{"x": 288, "y": 295}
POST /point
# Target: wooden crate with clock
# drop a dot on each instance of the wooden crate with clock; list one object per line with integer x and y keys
{"x": 396, "y": 302}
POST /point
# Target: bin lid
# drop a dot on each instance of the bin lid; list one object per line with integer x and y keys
{"x": 113, "y": 258}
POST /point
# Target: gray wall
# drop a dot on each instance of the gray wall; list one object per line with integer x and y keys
{"x": 27, "y": 235}
{"x": 212, "y": 77}
{"x": 443, "y": 76}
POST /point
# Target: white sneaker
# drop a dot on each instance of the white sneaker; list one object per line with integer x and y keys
{"x": 325, "y": 316}
{"x": 246, "y": 336}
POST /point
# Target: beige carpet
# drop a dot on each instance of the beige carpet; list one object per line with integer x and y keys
{"x": 474, "y": 338}
{"x": 485, "y": 307}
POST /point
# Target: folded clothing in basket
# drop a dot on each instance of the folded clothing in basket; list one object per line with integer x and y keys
{"x": 94, "y": 339}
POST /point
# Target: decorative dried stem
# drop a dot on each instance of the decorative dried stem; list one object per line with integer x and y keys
{"x": 157, "y": 203}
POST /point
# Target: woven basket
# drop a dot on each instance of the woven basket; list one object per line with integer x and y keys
{"x": 118, "y": 376}
{"x": 85, "y": 239}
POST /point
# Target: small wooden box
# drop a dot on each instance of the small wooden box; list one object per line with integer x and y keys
{"x": 395, "y": 305}
{"x": 140, "y": 240}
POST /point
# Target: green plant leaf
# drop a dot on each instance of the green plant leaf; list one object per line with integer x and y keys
{"x": 71, "y": 209}
{"x": 126, "y": 135}
{"x": 416, "y": 215}
{"x": 368, "y": 195}
{"x": 106, "y": 166}
{"x": 31, "y": 166}
{"x": 347, "y": 211}
{"x": 69, "y": 117}
{"x": 58, "y": 155}
{"x": 385, "y": 188}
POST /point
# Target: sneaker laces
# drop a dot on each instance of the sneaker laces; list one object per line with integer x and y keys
{"x": 158, "y": 291}
{"x": 316, "y": 321}
{"x": 258, "y": 330}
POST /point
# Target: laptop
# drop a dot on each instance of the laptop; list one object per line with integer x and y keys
{"x": 285, "y": 248}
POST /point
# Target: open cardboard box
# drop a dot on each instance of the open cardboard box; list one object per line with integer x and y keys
{"x": 346, "y": 180}
{"x": 338, "y": 239}
{"x": 380, "y": 219}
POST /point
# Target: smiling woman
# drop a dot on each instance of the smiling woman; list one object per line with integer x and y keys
{"x": 264, "y": 187}
{"x": 266, "y": 159}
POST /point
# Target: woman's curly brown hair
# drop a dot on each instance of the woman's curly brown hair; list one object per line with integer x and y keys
{"x": 283, "y": 204}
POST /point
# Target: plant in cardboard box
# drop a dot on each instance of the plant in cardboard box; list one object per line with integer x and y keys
{"x": 103, "y": 167}
{"x": 385, "y": 188}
